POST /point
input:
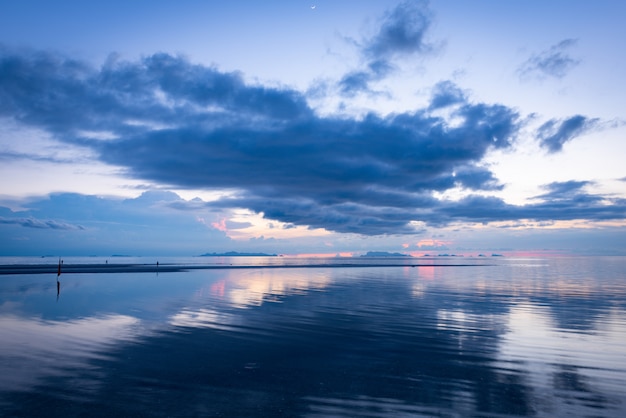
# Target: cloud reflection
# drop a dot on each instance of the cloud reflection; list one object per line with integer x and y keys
{"x": 584, "y": 379}
{"x": 238, "y": 290}
{"x": 33, "y": 349}
{"x": 204, "y": 318}
{"x": 263, "y": 286}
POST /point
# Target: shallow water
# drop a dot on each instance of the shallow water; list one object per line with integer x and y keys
{"x": 500, "y": 337}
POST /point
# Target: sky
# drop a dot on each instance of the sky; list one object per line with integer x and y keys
{"x": 301, "y": 127}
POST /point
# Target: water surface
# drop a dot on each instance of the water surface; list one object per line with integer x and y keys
{"x": 494, "y": 337}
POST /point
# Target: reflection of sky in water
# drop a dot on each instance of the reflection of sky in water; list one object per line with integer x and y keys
{"x": 33, "y": 349}
{"x": 526, "y": 337}
{"x": 579, "y": 368}
{"x": 253, "y": 288}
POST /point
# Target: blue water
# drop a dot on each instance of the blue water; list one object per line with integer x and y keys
{"x": 452, "y": 337}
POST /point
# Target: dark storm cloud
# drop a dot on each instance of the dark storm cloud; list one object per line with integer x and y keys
{"x": 344, "y": 175}
{"x": 554, "y": 62}
{"x": 556, "y": 132}
{"x": 66, "y": 96}
{"x": 172, "y": 122}
{"x": 414, "y": 152}
{"x": 341, "y": 216}
{"x": 563, "y": 201}
{"x": 187, "y": 125}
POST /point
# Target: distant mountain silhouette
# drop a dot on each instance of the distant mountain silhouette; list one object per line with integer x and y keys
{"x": 384, "y": 254}
{"x": 237, "y": 254}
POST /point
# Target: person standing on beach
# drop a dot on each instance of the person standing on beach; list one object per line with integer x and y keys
{"x": 58, "y": 282}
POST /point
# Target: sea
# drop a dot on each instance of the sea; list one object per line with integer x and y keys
{"x": 536, "y": 336}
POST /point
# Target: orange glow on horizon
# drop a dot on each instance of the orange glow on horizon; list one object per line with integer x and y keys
{"x": 426, "y": 272}
{"x": 430, "y": 242}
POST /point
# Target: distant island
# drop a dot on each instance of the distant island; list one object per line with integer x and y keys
{"x": 384, "y": 254}
{"x": 236, "y": 254}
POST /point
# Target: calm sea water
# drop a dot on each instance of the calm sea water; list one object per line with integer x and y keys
{"x": 495, "y": 337}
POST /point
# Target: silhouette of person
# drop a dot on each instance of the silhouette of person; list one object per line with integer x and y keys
{"x": 58, "y": 282}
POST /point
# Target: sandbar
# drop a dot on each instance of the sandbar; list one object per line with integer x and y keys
{"x": 168, "y": 268}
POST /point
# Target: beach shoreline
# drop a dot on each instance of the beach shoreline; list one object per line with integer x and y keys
{"x": 18, "y": 269}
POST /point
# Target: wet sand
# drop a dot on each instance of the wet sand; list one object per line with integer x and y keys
{"x": 86, "y": 268}
{"x": 166, "y": 268}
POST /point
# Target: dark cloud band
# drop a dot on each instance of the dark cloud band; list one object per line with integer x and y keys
{"x": 173, "y": 122}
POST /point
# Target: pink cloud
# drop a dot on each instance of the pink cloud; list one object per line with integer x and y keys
{"x": 221, "y": 225}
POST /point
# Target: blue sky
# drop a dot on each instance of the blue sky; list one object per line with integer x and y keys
{"x": 151, "y": 128}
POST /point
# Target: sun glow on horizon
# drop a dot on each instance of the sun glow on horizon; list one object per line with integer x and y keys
{"x": 243, "y": 224}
